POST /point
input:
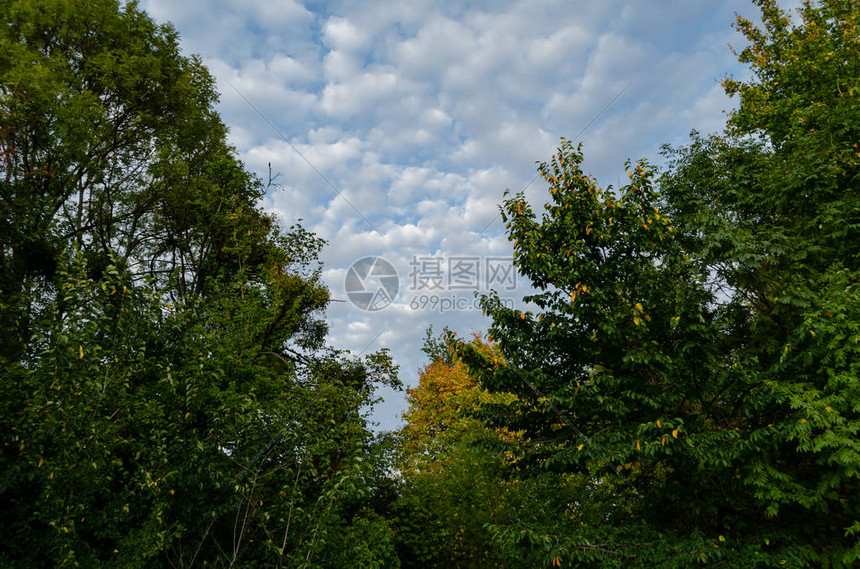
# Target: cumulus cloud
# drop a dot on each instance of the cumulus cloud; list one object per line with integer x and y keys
{"x": 420, "y": 114}
{"x": 341, "y": 34}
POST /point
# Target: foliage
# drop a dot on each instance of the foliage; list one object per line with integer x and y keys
{"x": 168, "y": 398}
{"x": 693, "y": 356}
{"x": 447, "y": 482}
{"x": 458, "y": 493}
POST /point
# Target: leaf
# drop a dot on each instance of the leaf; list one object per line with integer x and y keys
{"x": 675, "y": 433}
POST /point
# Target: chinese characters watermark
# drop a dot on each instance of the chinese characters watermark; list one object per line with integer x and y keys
{"x": 436, "y": 282}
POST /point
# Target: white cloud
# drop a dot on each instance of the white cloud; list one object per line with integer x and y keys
{"x": 363, "y": 94}
{"x": 341, "y": 34}
{"x": 272, "y": 14}
{"x": 422, "y": 113}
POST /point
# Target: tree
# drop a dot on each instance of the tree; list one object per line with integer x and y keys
{"x": 458, "y": 494}
{"x": 449, "y": 488}
{"x": 693, "y": 355}
{"x": 169, "y": 399}
{"x": 109, "y": 143}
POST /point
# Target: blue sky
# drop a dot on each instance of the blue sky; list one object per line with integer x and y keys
{"x": 421, "y": 113}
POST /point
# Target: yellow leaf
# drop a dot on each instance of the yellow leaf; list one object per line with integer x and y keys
{"x": 639, "y": 307}
{"x": 80, "y": 352}
{"x": 580, "y": 447}
{"x": 675, "y": 433}
{"x": 636, "y": 320}
{"x": 523, "y": 315}
{"x": 663, "y": 441}
{"x": 659, "y": 424}
{"x": 828, "y": 409}
{"x": 722, "y": 538}
{"x": 638, "y": 447}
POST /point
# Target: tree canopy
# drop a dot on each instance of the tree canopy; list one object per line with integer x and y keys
{"x": 459, "y": 495}
{"x": 169, "y": 399}
{"x": 694, "y": 349}
{"x": 682, "y": 390}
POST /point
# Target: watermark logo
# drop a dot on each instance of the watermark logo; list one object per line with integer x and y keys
{"x": 434, "y": 283}
{"x": 447, "y": 303}
{"x": 461, "y": 273}
{"x": 371, "y": 284}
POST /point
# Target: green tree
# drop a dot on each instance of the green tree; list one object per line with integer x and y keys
{"x": 458, "y": 494}
{"x": 168, "y": 399}
{"x": 450, "y": 487}
{"x": 109, "y": 143}
{"x": 698, "y": 345}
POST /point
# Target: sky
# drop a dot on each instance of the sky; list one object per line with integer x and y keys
{"x": 396, "y": 127}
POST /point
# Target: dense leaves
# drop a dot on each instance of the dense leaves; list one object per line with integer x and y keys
{"x": 459, "y": 495}
{"x": 168, "y": 398}
{"x": 683, "y": 389}
{"x": 694, "y": 355}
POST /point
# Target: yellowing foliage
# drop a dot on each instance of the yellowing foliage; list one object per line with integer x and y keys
{"x": 438, "y": 408}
